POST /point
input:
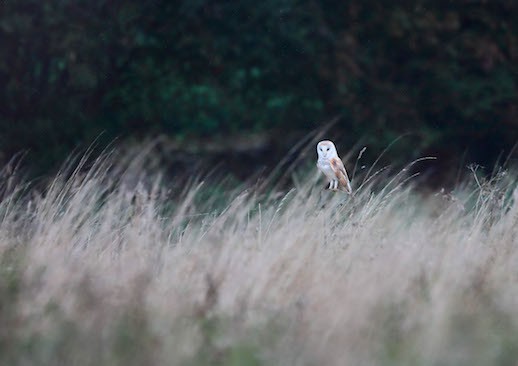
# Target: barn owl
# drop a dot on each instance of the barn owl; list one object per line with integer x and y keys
{"x": 332, "y": 166}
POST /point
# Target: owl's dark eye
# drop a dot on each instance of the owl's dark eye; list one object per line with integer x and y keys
{"x": 327, "y": 149}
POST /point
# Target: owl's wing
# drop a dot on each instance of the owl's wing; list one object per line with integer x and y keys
{"x": 341, "y": 175}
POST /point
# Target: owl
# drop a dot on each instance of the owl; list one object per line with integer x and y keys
{"x": 330, "y": 164}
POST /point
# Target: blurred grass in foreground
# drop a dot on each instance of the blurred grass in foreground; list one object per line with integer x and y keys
{"x": 108, "y": 266}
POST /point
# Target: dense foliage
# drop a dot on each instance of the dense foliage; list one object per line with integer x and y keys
{"x": 444, "y": 71}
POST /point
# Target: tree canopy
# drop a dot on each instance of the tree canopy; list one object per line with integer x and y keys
{"x": 444, "y": 71}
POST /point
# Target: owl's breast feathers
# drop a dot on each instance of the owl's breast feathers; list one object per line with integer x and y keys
{"x": 323, "y": 163}
{"x": 325, "y": 167}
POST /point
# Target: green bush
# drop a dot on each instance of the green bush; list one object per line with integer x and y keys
{"x": 444, "y": 71}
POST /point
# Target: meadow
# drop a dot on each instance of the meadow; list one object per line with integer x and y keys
{"x": 112, "y": 264}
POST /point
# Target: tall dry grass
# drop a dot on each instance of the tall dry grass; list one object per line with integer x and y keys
{"x": 108, "y": 266}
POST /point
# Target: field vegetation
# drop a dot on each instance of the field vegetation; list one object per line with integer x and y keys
{"x": 111, "y": 264}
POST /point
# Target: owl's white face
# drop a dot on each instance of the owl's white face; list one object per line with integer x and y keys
{"x": 326, "y": 150}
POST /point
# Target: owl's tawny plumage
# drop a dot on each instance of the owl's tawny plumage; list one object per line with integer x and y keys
{"x": 330, "y": 164}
